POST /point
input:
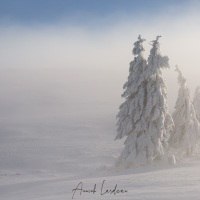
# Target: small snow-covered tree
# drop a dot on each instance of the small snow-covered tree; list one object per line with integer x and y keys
{"x": 196, "y": 102}
{"x": 186, "y": 132}
{"x": 143, "y": 117}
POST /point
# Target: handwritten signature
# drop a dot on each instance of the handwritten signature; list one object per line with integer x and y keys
{"x": 80, "y": 189}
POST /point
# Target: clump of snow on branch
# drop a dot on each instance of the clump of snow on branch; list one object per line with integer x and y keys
{"x": 186, "y": 132}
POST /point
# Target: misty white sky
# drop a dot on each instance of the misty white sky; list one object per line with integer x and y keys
{"x": 57, "y": 67}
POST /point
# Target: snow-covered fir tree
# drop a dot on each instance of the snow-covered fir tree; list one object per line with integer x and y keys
{"x": 143, "y": 117}
{"x": 158, "y": 119}
{"x": 196, "y": 102}
{"x": 134, "y": 91}
{"x": 186, "y": 131}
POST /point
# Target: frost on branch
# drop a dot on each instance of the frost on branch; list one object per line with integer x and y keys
{"x": 143, "y": 117}
{"x": 196, "y": 102}
{"x": 186, "y": 132}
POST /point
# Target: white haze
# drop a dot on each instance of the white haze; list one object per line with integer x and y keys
{"x": 60, "y": 88}
{"x": 59, "y": 72}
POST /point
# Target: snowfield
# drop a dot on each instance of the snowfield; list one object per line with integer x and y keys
{"x": 52, "y": 163}
{"x": 48, "y": 148}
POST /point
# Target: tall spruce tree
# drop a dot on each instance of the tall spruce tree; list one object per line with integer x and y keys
{"x": 196, "y": 102}
{"x": 160, "y": 123}
{"x": 143, "y": 117}
{"x": 186, "y": 132}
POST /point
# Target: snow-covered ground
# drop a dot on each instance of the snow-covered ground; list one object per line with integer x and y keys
{"x": 48, "y": 148}
{"x": 51, "y": 163}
